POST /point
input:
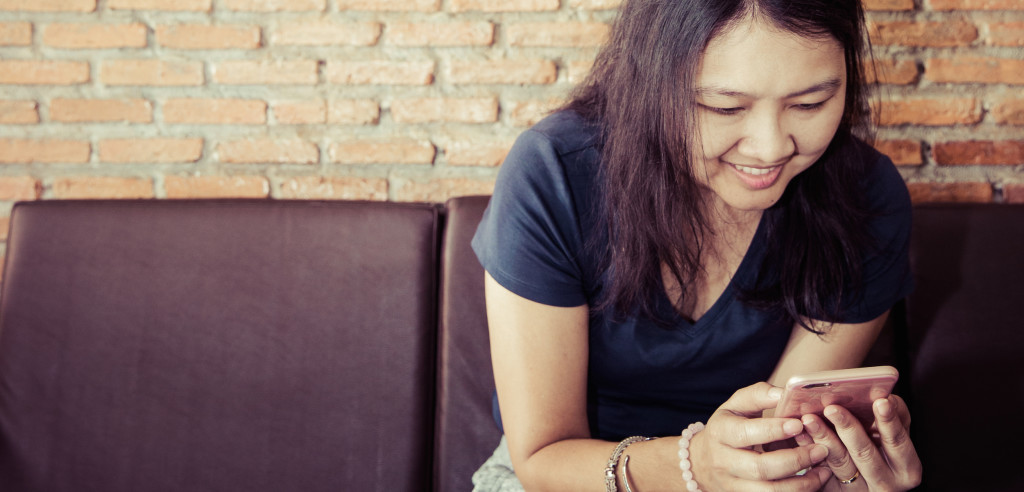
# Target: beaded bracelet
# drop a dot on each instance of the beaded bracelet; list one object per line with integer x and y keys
{"x": 613, "y": 462}
{"x": 684, "y": 455}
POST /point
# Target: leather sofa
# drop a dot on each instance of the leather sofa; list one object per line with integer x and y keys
{"x": 239, "y": 345}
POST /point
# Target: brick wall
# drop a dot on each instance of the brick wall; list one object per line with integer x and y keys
{"x": 416, "y": 99}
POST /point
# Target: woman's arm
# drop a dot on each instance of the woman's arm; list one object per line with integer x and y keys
{"x": 841, "y": 347}
{"x": 540, "y": 356}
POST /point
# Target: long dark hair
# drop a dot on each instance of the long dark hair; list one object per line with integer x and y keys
{"x": 640, "y": 92}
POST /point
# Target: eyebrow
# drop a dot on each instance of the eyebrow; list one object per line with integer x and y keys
{"x": 826, "y": 86}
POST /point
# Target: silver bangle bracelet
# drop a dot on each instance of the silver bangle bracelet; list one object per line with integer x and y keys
{"x": 613, "y": 462}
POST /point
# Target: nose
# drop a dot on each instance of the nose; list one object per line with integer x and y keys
{"x": 766, "y": 139}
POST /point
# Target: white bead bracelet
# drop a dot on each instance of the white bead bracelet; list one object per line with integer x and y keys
{"x": 684, "y": 455}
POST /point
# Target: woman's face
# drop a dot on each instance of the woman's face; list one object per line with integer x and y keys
{"x": 769, "y": 104}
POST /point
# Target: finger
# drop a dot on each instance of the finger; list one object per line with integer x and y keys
{"x": 753, "y": 400}
{"x": 861, "y": 449}
{"x": 813, "y": 480}
{"x": 839, "y": 460}
{"x": 895, "y": 441}
{"x": 740, "y": 432}
{"x": 779, "y": 464}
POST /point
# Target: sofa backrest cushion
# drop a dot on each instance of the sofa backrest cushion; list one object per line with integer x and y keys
{"x": 466, "y": 432}
{"x": 966, "y": 340}
{"x": 217, "y": 346}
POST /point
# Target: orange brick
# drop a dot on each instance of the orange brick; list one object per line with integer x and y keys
{"x": 902, "y": 152}
{"x": 1006, "y": 33}
{"x": 976, "y": 152}
{"x": 468, "y": 110}
{"x": 440, "y": 34}
{"x": 1009, "y": 112}
{"x": 216, "y": 187}
{"x": 930, "y": 112}
{"x": 891, "y": 72}
{"x": 353, "y": 112}
{"x": 151, "y": 72}
{"x": 976, "y": 5}
{"x": 558, "y": 34}
{"x": 933, "y": 34}
{"x": 528, "y": 113}
{"x": 95, "y": 36}
{"x": 46, "y": 72}
{"x": 150, "y": 150}
{"x": 519, "y": 72}
{"x": 595, "y": 4}
{"x": 503, "y": 5}
{"x": 215, "y": 111}
{"x": 170, "y": 5}
{"x": 275, "y": 5}
{"x": 888, "y": 4}
{"x": 90, "y": 187}
{"x": 975, "y": 69}
{"x": 15, "y": 33}
{"x": 439, "y": 190}
{"x": 477, "y": 152}
{"x": 207, "y": 37}
{"x": 326, "y": 33}
{"x": 1013, "y": 193}
{"x": 390, "y": 151}
{"x": 380, "y": 72}
{"x": 390, "y": 5}
{"x": 334, "y": 188}
{"x": 270, "y": 72}
{"x": 300, "y": 112}
{"x": 268, "y": 150}
{"x": 18, "y": 188}
{"x": 48, "y": 5}
{"x": 101, "y": 110}
{"x": 27, "y": 151}
{"x": 18, "y": 112}
{"x": 922, "y": 192}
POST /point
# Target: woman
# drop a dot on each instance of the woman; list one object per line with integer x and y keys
{"x": 698, "y": 224}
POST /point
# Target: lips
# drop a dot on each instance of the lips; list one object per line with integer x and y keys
{"x": 757, "y": 178}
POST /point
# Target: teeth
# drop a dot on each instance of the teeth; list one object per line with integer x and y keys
{"x": 753, "y": 170}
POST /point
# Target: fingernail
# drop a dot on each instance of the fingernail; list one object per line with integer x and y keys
{"x": 818, "y": 453}
{"x": 824, "y": 474}
{"x": 803, "y": 439}
{"x": 792, "y": 427}
{"x": 775, "y": 393}
{"x": 832, "y": 413}
{"x": 883, "y": 408}
{"x": 810, "y": 424}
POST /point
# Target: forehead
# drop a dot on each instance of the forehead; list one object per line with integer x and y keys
{"x": 761, "y": 60}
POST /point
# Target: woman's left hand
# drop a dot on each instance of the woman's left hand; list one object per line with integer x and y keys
{"x": 859, "y": 461}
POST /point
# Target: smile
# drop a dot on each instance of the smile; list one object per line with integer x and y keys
{"x": 757, "y": 178}
{"x": 756, "y": 171}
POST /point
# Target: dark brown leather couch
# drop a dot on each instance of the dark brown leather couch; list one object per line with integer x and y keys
{"x": 305, "y": 346}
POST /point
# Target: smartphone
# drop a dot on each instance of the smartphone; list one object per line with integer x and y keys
{"x": 853, "y": 389}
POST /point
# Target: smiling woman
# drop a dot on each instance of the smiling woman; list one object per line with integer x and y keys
{"x": 697, "y": 225}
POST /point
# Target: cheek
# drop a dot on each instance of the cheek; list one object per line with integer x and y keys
{"x": 815, "y": 136}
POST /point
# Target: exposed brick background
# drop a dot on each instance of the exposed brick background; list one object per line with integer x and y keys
{"x": 417, "y": 99}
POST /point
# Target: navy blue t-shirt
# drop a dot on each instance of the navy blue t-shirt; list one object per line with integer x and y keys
{"x": 644, "y": 378}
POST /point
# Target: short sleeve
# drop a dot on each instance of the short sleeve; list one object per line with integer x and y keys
{"x": 886, "y": 273}
{"x": 529, "y": 239}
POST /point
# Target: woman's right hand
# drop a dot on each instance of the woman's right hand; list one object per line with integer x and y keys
{"x": 726, "y": 455}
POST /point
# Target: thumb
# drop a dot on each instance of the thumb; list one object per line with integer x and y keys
{"x": 753, "y": 400}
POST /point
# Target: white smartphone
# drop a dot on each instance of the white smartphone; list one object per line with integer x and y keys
{"x": 853, "y": 389}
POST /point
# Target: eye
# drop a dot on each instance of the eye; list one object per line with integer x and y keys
{"x": 809, "y": 107}
{"x": 722, "y": 111}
